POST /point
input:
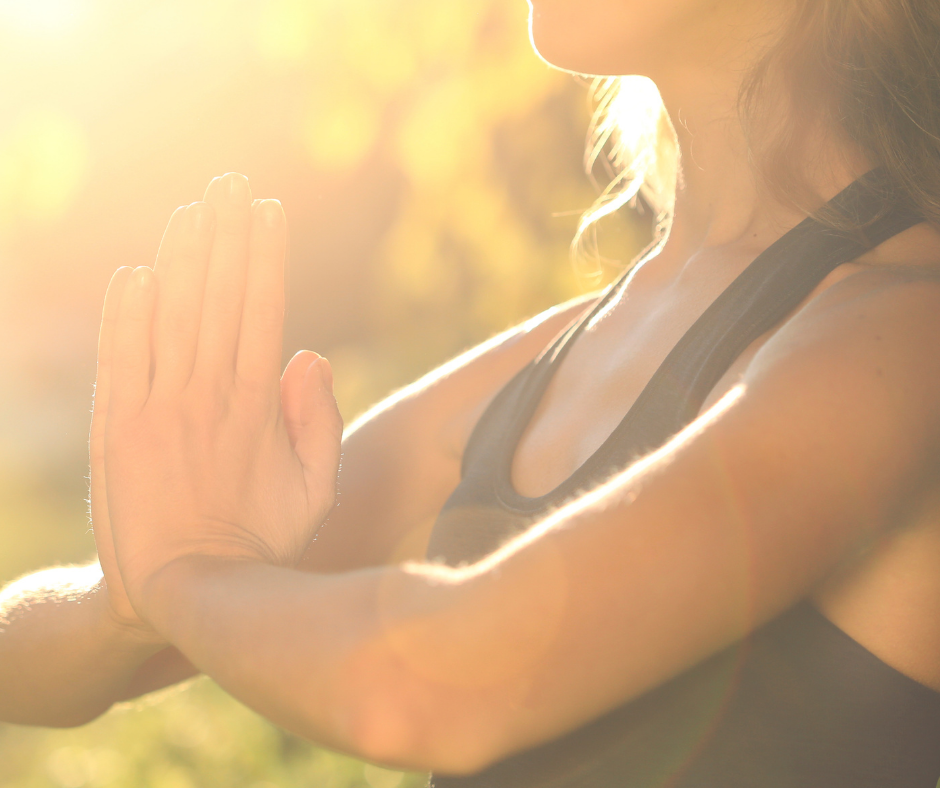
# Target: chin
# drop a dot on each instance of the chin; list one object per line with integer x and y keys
{"x": 599, "y": 37}
{"x": 555, "y": 35}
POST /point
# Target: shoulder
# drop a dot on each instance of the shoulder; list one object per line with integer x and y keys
{"x": 887, "y": 310}
{"x": 863, "y": 354}
{"x": 881, "y": 284}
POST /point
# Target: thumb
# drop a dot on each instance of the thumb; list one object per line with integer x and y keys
{"x": 319, "y": 435}
{"x": 292, "y": 391}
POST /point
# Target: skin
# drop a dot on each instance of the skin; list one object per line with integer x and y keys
{"x": 811, "y": 472}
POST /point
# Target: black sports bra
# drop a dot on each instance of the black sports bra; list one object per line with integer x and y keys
{"x": 798, "y": 704}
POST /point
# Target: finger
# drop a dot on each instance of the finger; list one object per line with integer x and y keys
{"x": 130, "y": 367}
{"x": 98, "y": 493}
{"x": 168, "y": 241}
{"x": 320, "y": 436}
{"x": 262, "y": 325}
{"x": 109, "y": 314}
{"x": 292, "y": 383}
{"x": 182, "y": 278}
{"x": 112, "y": 302}
{"x": 225, "y": 281}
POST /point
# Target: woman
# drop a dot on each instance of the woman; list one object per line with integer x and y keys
{"x": 692, "y": 539}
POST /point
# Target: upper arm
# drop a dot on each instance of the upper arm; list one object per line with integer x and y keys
{"x": 832, "y": 434}
{"x": 833, "y": 431}
{"x": 402, "y": 459}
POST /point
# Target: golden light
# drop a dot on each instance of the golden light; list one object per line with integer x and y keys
{"x": 40, "y": 17}
{"x": 284, "y": 30}
{"x": 341, "y": 134}
{"x": 637, "y": 128}
{"x": 420, "y": 149}
{"x": 43, "y": 160}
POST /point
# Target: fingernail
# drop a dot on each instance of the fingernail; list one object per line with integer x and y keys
{"x": 143, "y": 277}
{"x": 271, "y": 213}
{"x": 123, "y": 273}
{"x": 201, "y": 215}
{"x": 326, "y": 373}
{"x": 237, "y": 186}
{"x": 211, "y": 186}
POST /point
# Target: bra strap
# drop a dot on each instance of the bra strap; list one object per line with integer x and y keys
{"x": 768, "y": 290}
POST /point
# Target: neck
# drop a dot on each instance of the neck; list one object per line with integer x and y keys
{"x": 720, "y": 205}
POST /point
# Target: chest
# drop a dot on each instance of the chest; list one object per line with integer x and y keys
{"x": 606, "y": 370}
{"x": 887, "y": 597}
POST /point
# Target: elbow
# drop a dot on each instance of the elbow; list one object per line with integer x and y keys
{"x": 426, "y": 690}
{"x": 390, "y": 733}
{"x": 400, "y": 720}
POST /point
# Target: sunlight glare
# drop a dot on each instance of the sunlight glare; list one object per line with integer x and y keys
{"x": 636, "y": 111}
{"x": 341, "y": 134}
{"x": 284, "y": 30}
{"x": 40, "y": 17}
{"x": 43, "y": 160}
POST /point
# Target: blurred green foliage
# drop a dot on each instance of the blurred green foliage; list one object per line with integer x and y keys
{"x": 184, "y": 738}
{"x": 430, "y": 166}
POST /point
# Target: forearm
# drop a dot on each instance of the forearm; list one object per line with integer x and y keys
{"x": 417, "y": 666}
{"x": 276, "y": 639}
{"x": 63, "y": 658}
{"x": 316, "y": 655}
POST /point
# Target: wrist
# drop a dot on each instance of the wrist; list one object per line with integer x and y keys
{"x": 130, "y": 634}
{"x": 170, "y": 593}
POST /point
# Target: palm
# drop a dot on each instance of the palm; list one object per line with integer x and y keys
{"x": 292, "y": 384}
{"x": 230, "y": 482}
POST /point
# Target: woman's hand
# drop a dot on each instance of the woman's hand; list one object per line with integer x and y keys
{"x": 121, "y": 611}
{"x": 200, "y": 457}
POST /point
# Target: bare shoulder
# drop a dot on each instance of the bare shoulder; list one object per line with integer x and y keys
{"x": 862, "y": 362}
{"x": 858, "y": 366}
{"x": 883, "y": 322}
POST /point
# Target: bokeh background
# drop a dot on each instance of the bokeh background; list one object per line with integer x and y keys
{"x": 431, "y": 169}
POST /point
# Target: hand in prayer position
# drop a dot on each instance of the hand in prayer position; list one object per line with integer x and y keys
{"x": 202, "y": 457}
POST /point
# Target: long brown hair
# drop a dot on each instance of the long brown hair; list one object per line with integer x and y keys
{"x": 867, "y": 68}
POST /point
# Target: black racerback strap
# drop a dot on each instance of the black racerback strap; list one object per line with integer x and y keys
{"x": 764, "y": 294}
{"x": 769, "y": 289}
